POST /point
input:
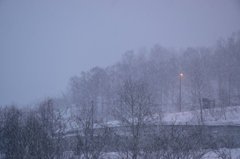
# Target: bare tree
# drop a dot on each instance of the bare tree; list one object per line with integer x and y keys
{"x": 91, "y": 133}
{"x": 12, "y": 143}
{"x": 197, "y": 83}
{"x": 135, "y": 110}
{"x": 51, "y": 121}
{"x": 227, "y": 70}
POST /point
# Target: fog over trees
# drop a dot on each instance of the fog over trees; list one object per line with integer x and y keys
{"x": 120, "y": 108}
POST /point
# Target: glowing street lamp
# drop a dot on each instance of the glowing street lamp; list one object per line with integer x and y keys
{"x": 180, "y": 93}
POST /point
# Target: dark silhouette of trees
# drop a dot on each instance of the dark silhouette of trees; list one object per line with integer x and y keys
{"x": 12, "y": 143}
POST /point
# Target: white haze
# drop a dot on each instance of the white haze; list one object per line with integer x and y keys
{"x": 44, "y": 43}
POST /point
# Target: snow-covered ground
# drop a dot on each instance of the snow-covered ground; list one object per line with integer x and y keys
{"x": 228, "y": 153}
{"x": 216, "y": 116}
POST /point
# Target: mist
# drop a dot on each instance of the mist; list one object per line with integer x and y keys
{"x": 44, "y": 43}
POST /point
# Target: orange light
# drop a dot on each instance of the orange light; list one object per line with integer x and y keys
{"x": 181, "y": 74}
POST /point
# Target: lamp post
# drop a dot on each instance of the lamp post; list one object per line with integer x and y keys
{"x": 180, "y": 92}
{"x": 92, "y": 115}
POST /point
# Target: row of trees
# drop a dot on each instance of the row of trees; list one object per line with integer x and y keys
{"x": 210, "y": 75}
{"x": 138, "y": 132}
{"x": 120, "y": 108}
{"x": 37, "y": 133}
{"x": 47, "y": 132}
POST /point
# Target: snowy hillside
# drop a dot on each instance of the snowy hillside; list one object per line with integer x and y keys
{"x": 216, "y": 116}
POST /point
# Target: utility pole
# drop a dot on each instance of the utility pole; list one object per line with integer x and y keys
{"x": 92, "y": 115}
{"x": 180, "y": 92}
{"x": 90, "y": 142}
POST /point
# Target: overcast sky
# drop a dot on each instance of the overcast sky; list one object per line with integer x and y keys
{"x": 45, "y": 42}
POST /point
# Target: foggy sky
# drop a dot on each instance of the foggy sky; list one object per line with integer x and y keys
{"x": 43, "y": 43}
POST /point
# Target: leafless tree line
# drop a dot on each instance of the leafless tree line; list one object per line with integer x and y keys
{"x": 49, "y": 132}
{"x": 34, "y": 133}
{"x": 120, "y": 108}
{"x": 42, "y": 133}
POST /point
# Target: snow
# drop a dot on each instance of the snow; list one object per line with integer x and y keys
{"x": 233, "y": 153}
{"x": 230, "y": 116}
{"x": 216, "y": 116}
{"x": 226, "y": 116}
